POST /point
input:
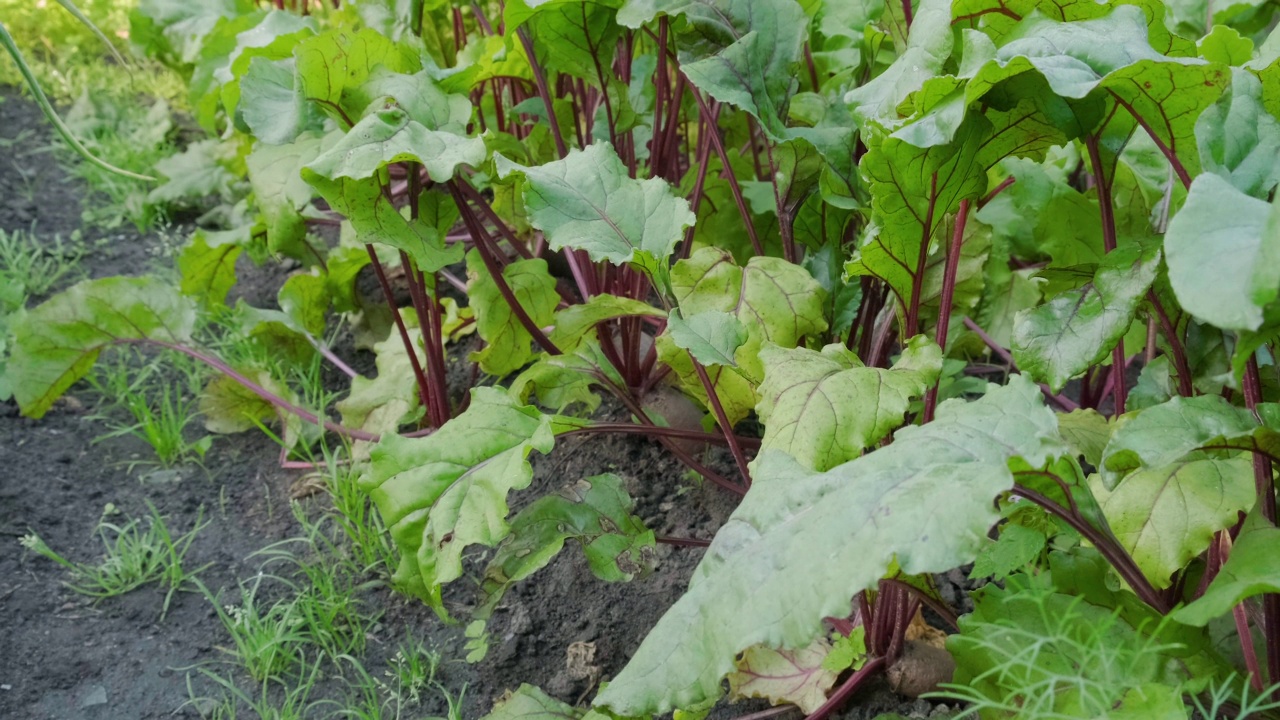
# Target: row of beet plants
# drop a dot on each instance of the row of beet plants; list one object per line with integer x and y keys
{"x": 982, "y": 279}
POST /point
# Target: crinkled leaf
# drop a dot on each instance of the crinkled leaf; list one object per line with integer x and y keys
{"x": 1166, "y": 516}
{"x": 712, "y": 336}
{"x": 195, "y": 173}
{"x": 282, "y": 194}
{"x": 392, "y": 135}
{"x": 588, "y": 202}
{"x": 1223, "y": 253}
{"x": 1062, "y": 338}
{"x": 1015, "y": 548}
{"x": 561, "y": 381}
{"x": 1161, "y": 435}
{"x": 784, "y": 676}
{"x": 56, "y": 343}
{"x": 272, "y": 104}
{"x": 208, "y": 267}
{"x": 924, "y": 500}
{"x": 379, "y": 405}
{"x": 775, "y": 300}
{"x": 1239, "y": 139}
{"x": 377, "y": 220}
{"x": 442, "y": 493}
{"x": 825, "y": 408}
{"x": 508, "y": 343}
{"x": 575, "y": 323}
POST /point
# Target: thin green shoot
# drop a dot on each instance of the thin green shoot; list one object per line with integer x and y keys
{"x": 34, "y": 266}
{"x": 153, "y": 410}
{"x": 37, "y": 92}
{"x": 292, "y": 700}
{"x": 268, "y": 641}
{"x": 1231, "y": 699}
{"x": 132, "y": 557}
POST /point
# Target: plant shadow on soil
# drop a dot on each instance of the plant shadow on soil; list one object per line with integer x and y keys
{"x": 64, "y": 657}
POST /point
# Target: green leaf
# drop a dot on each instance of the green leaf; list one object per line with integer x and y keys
{"x": 560, "y": 381}
{"x": 1239, "y": 139}
{"x": 380, "y": 405}
{"x": 56, "y": 343}
{"x": 1087, "y": 432}
{"x": 195, "y": 173}
{"x": 1223, "y": 252}
{"x": 178, "y": 28}
{"x": 588, "y": 202}
{"x": 272, "y": 103}
{"x": 712, "y": 336}
{"x": 1225, "y": 45}
{"x": 442, "y": 493}
{"x": 229, "y": 407}
{"x": 1252, "y": 568}
{"x": 1064, "y": 337}
{"x": 1165, "y": 516}
{"x": 392, "y": 135}
{"x": 333, "y": 67}
{"x": 281, "y": 193}
{"x": 929, "y": 46}
{"x": 825, "y": 408}
{"x": 913, "y": 190}
{"x": 570, "y": 36}
{"x": 777, "y": 301}
{"x": 530, "y": 703}
{"x": 508, "y": 342}
{"x": 759, "y": 582}
{"x": 208, "y": 267}
{"x": 597, "y": 513}
{"x": 377, "y": 220}
{"x": 1162, "y": 435}
{"x": 1017, "y": 547}
{"x": 575, "y": 323}
{"x": 227, "y": 52}
{"x": 742, "y": 54}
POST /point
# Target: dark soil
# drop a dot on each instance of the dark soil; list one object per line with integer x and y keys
{"x": 64, "y": 657}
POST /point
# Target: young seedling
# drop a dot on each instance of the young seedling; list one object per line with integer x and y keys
{"x": 159, "y": 412}
{"x": 133, "y": 557}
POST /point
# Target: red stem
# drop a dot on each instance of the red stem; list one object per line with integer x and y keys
{"x": 738, "y": 198}
{"x": 540, "y": 79}
{"x": 1112, "y": 551}
{"x": 485, "y": 249}
{"x": 1107, "y": 211}
{"x": 838, "y": 699}
{"x": 256, "y": 389}
{"x": 912, "y": 327}
{"x": 948, "y": 293}
{"x": 723, "y": 419}
{"x": 1267, "y": 501}
{"x": 418, "y": 375}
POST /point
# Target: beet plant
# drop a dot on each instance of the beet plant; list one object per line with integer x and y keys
{"x": 981, "y": 280}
